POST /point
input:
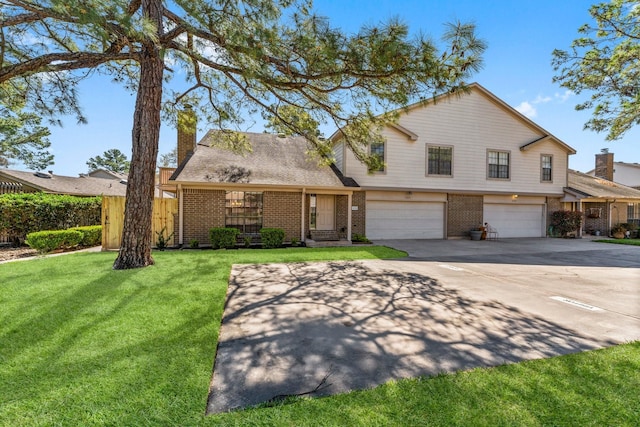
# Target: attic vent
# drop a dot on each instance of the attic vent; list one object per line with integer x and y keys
{"x": 282, "y": 135}
{"x": 42, "y": 175}
{"x": 123, "y": 181}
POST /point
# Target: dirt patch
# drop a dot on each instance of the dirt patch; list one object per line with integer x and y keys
{"x": 9, "y": 253}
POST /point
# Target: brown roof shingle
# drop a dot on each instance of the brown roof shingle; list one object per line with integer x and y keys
{"x": 59, "y": 184}
{"x": 594, "y": 187}
{"x": 275, "y": 160}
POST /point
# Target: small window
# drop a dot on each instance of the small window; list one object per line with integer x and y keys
{"x": 377, "y": 150}
{"x": 243, "y": 210}
{"x": 439, "y": 160}
{"x": 498, "y": 164}
{"x": 546, "y": 174}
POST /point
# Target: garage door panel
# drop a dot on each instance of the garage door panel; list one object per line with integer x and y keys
{"x": 405, "y": 220}
{"x": 515, "y": 220}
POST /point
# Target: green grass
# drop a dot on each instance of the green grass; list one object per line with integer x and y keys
{"x": 81, "y": 344}
{"x": 633, "y": 242}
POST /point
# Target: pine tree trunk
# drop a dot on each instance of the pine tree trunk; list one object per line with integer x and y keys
{"x": 135, "y": 248}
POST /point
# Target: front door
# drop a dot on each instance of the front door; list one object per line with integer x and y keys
{"x": 325, "y": 212}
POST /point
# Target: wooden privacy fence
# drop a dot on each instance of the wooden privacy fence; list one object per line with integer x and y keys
{"x": 164, "y": 212}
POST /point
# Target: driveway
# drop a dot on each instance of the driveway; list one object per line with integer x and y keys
{"x": 327, "y": 328}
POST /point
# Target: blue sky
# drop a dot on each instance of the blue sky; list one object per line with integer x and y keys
{"x": 521, "y": 34}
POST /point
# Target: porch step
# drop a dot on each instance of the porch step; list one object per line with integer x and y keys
{"x": 324, "y": 235}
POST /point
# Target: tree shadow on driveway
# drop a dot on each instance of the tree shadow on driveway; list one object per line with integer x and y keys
{"x": 288, "y": 326}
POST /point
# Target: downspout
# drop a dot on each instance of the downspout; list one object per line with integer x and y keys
{"x": 180, "y": 216}
{"x": 303, "y": 216}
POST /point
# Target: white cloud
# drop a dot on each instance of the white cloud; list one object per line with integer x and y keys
{"x": 541, "y": 99}
{"x": 562, "y": 97}
{"x": 527, "y": 109}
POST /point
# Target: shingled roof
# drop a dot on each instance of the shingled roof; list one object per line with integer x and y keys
{"x": 275, "y": 160}
{"x": 598, "y": 188}
{"x": 59, "y": 184}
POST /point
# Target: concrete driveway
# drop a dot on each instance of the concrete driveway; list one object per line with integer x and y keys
{"x": 327, "y": 328}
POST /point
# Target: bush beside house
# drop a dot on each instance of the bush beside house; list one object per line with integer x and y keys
{"x": 21, "y": 214}
{"x": 223, "y": 237}
{"x": 272, "y": 237}
{"x": 565, "y": 222}
{"x": 51, "y": 240}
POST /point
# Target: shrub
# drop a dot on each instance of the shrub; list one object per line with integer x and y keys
{"x": 49, "y": 240}
{"x": 162, "y": 242}
{"x": 359, "y": 238}
{"x": 565, "y": 222}
{"x": 194, "y": 244}
{"x": 272, "y": 237}
{"x": 21, "y": 214}
{"x": 223, "y": 237}
{"x": 91, "y": 235}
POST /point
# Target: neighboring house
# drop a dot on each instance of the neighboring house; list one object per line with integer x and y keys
{"x": 57, "y": 184}
{"x": 107, "y": 174}
{"x": 451, "y": 165}
{"x": 623, "y": 173}
{"x": 604, "y": 203}
{"x": 456, "y": 163}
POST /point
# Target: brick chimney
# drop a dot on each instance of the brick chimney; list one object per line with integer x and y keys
{"x": 604, "y": 165}
{"x": 187, "y": 124}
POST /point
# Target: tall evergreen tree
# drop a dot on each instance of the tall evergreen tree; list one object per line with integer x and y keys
{"x": 238, "y": 57}
{"x": 112, "y": 160}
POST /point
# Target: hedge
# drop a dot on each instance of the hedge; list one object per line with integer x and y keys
{"x": 24, "y": 213}
{"x": 223, "y": 237}
{"x": 49, "y": 240}
{"x": 272, "y": 237}
{"x": 91, "y": 235}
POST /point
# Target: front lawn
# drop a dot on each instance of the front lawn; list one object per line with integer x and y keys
{"x": 633, "y": 242}
{"x": 81, "y": 344}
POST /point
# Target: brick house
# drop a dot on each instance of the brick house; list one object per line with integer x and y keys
{"x": 451, "y": 164}
{"x": 277, "y": 185}
{"x": 604, "y": 203}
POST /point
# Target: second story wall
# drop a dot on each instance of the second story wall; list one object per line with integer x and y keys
{"x": 472, "y": 125}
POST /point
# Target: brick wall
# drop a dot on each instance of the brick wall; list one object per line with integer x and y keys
{"x": 202, "y": 210}
{"x": 341, "y": 215}
{"x": 596, "y": 224}
{"x": 358, "y": 223}
{"x": 604, "y": 166}
{"x": 464, "y": 212}
{"x": 282, "y": 210}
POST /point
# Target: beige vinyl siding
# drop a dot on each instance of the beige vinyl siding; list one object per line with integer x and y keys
{"x": 471, "y": 124}
{"x": 338, "y": 155}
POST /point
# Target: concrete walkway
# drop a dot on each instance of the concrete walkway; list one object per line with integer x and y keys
{"x": 355, "y": 325}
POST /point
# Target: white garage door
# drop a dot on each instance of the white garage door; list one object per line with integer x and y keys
{"x": 515, "y": 220}
{"x": 405, "y": 220}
